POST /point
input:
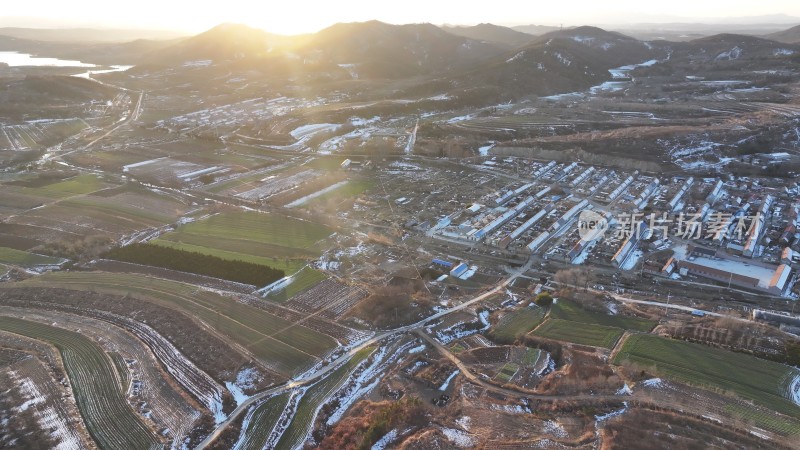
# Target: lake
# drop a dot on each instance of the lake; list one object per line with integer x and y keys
{"x": 16, "y": 59}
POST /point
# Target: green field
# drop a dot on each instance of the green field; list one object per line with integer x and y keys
{"x": 348, "y": 191}
{"x": 112, "y": 423}
{"x": 782, "y": 425}
{"x": 747, "y": 376}
{"x": 25, "y": 259}
{"x": 507, "y": 372}
{"x": 531, "y": 357}
{"x": 579, "y": 333}
{"x": 517, "y": 323}
{"x": 268, "y": 239}
{"x": 122, "y": 370}
{"x": 569, "y": 311}
{"x": 302, "y": 281}
{"x": 313, "y": 399}
{"x": 279, "y": 343}
{"x": 80, "y": 185}
{"x": 262, "y": 422}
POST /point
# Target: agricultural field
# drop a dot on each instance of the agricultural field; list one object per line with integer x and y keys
{"x": 749, "y": 377}
{"x": 111, "y": 422}
{"x": 269, "y": 239}
{"x": 260, "y": 422}
{"x": 517, "y": 323}
{"x": 298, "y": 283}
{"x": 113, "y": 211}
{"x": 347, "y": 191}
{"x": 313, "y": 399}
{"x": 38, "y": 134}
{"x": 507, "y": 372}
{"x": 578, "y": 333}
{"x": 569, "y": 311}
{"x": 26, "y": 259}
{"x": 282, "y": 345}
{"x": 71, "y": 187}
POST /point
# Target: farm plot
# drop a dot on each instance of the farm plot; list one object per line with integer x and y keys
{"x": 517, "y": 323}
{"x": 339, "y": 332}
{"x": 167, "y": 170}
{"x": 260, "y": 421}
{"x": 314, "y": 398}
{"x": 45, "y": 397}
{"x": 116, "y": 214}
{"x": 579, "y": 333}
{"x": 38, "y": 134}
{"x": 79, "y": 185}
{"x": 507, "y": 372}
{"x": 272, "y": 185}
{"x": 165, "y": 406}
{"x": 349, "y": 190}
{"x": 212, "y": 353}
{"x": 334, "y": 297}
{"x": 295, "y": 284}
{"x": 280, "y": 344}
{"x": 751, "y": 378}
{"x": 26, "y": 259}
{"x": 568, "y": 311}
{"x": 269, "y": 239}
{"x": 95, "y": 383}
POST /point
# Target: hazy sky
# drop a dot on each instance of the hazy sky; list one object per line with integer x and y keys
{"x": 298, "y": 16}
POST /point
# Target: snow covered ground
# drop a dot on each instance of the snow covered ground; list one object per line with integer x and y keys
{"x": 65, "y": 435}
{"x": 794, "y": 388}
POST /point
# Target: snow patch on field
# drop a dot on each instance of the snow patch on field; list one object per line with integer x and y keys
{"x": 625, "y": 390}
{"x": 458, "y": 438}
{"x": 448, "y": 380}
{"x": 653, "y": 382}
{"x": 387, "y": 439}
{"x": 794, "y": 388}
{"x": 554, "y": 428}
{"x": 612, "y": 414}
{"x": 730, "y": 55}
{"x": 760, "y": 434}
{"x": 311, "y": 129}
{"x": 516, "y": 57}
{"x": 363, "y": 380}
{"x": 314, "y": 195}
{"x": 47, "y": 416}
{"x": 246, "y": 379}
{"x": 417, "y": 349}
{"x": 484, "y": 151}
{"x": 512, "y": 409}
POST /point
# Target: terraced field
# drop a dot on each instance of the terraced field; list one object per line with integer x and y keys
{"x": 579, "y": 333}
{"x": 279, "y": 343}
{"x": 313, "y": 398}
{"x": 96, "y": 385}
{"x": 269, "y": 239}
{"x": 747, "y": 376}
{"x": 261, "y": 422}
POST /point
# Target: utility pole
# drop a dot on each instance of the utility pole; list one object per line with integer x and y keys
{"x": 666, "y": 308}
